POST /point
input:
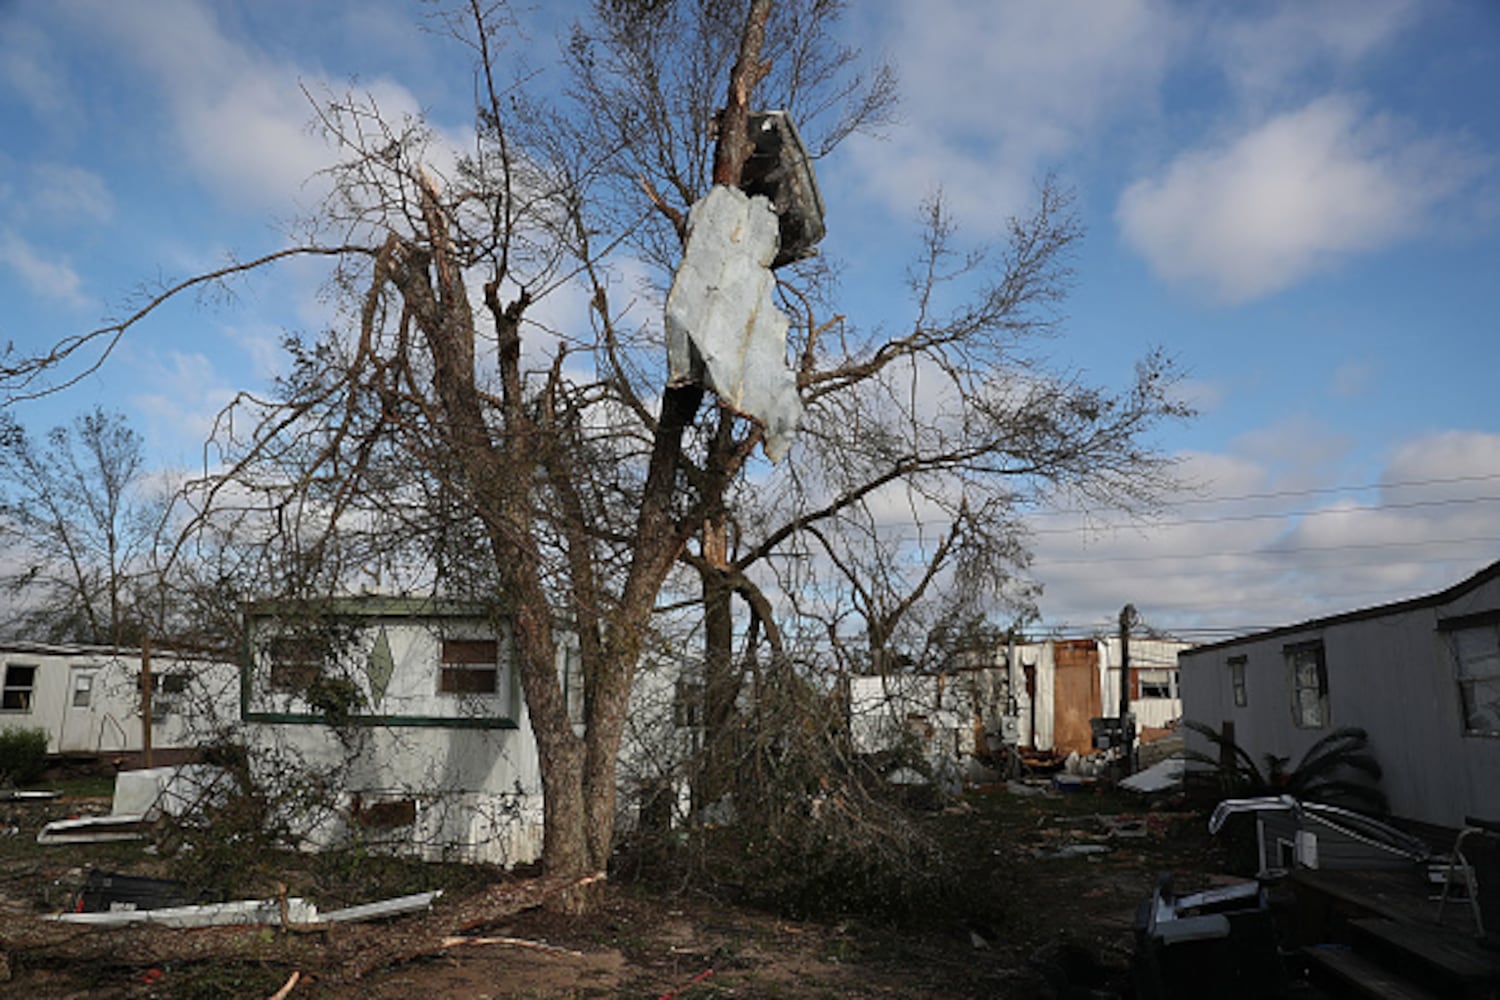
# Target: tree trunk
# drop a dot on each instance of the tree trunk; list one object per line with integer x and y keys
{"x": 577, "y": 773}
{"x": 720, "y": 684}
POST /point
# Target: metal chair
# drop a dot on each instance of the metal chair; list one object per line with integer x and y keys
{"x": 1459, "y": 862}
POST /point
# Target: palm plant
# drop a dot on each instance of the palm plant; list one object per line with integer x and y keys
{"x": 1338, "y": 769}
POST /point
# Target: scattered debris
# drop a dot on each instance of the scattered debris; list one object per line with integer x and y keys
{"x": 1074, "y": 851}
{"x": 1129, "y": 827}
{"x": 109, "y": 892}
{"x": 1072, "y": 783}
{"x": 1159, "y": 777}
{"x": 687, "y": 985}
{"x": 780, "y": 169}
{"x": 177, "y": 790}
{"x": 907, "y": 776}
{"x": 1223, "y": 937}
{"x": 1025, "y": 789}
{"x": 97, "y": 829}
{"x": 282, "y": 910}
{"x": 141, "y": 799}
{"x": 385, "y": 908}
{"x": 234, "y": 913}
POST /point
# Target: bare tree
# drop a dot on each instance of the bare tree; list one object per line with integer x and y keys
{"x": 79, "y": 521}
{"x": 445, "y": 435}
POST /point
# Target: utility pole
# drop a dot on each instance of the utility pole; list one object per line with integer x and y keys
{"x": 1127, "y": 723}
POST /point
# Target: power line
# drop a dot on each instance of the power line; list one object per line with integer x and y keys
{"x": 1281, "y": 494}
{"x": 1293, "y": 550}
{"x": 1285, "y": 515}
{"x": 1338, "y": 603}
{"x": 905, "y": 533}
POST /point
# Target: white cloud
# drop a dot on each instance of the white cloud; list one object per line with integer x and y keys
{"x": 29, "y": 67}
{"x": 1267, "y": 49}
{"x": 1353, "y": 379}
{"x": 1297, "y": 450}
{"x": 1257, "y": 547}
{"x": 187, "y": 394}
{"x": 239, "y": 116}
{"x": 51, "y": 278}
{"x": 993, "y": 94}
{"x": 1444, "y": 464}
{"x": 1294, "y": 196}
{"x": 61, "y": 194}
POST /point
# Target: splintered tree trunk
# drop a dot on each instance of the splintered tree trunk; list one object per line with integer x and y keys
{"x": 721, "y": 687}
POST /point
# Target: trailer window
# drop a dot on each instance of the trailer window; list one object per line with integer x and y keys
{"x": 1237, "y": 681}
{"x": 1156, "y": 683}
{"x": 470, "y": 666}
{"x": 1309, "y": 683}
{"x": 295, "y": 662}
{"x": 1476, "y": 661}
{"x": 20, "y": 681}
{"x": 83, "y": 689}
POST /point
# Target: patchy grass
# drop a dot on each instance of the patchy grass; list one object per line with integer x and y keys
{"x": 84, "y": 786}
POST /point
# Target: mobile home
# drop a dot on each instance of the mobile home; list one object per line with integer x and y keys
{"x": 88, "y": 698}
{"x": 1421, "y": 676}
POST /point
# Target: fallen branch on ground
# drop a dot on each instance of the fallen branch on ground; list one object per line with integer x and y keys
{"x": 551, "y": 949}
{"x": 291, "y": 984}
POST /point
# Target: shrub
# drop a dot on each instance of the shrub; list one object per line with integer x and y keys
{"x": 23, "y": 756}
{"x": 1338, "y": 770}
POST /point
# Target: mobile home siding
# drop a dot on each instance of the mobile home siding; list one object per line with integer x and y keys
{"x": 1389, "y": 671}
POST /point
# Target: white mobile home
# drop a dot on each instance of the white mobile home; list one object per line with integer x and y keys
{"x": 88, "y": 698}
{"x": 1422, "y": 677}
{"x": 1062, "y": 684}
{"x": 411, "y": 710}
{"x": 1059, "y": 686}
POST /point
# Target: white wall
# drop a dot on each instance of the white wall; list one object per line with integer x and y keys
{"x": 1145, "y": 654}
{"x": 477, "y": 792}
{"x": 939, "y": 710}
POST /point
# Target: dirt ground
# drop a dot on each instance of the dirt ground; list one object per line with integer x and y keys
{"x": 1068, "y": 869}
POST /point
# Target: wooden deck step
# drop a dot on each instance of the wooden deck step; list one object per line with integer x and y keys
{"x": 1354, "y": 970}
{"x": 1453, "y": 957}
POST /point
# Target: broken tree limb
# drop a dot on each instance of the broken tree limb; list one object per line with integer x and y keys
{"x": 678, "y": 220}
{"x": 425, "y": 937}
{"x": 734, "y": 122}
{"x": 286, "y": 989}
{"x": 145, "y": 945}
{"x": 514, "y": 942}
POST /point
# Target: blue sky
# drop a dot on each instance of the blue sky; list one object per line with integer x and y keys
{"x": 1298, "y": 200}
